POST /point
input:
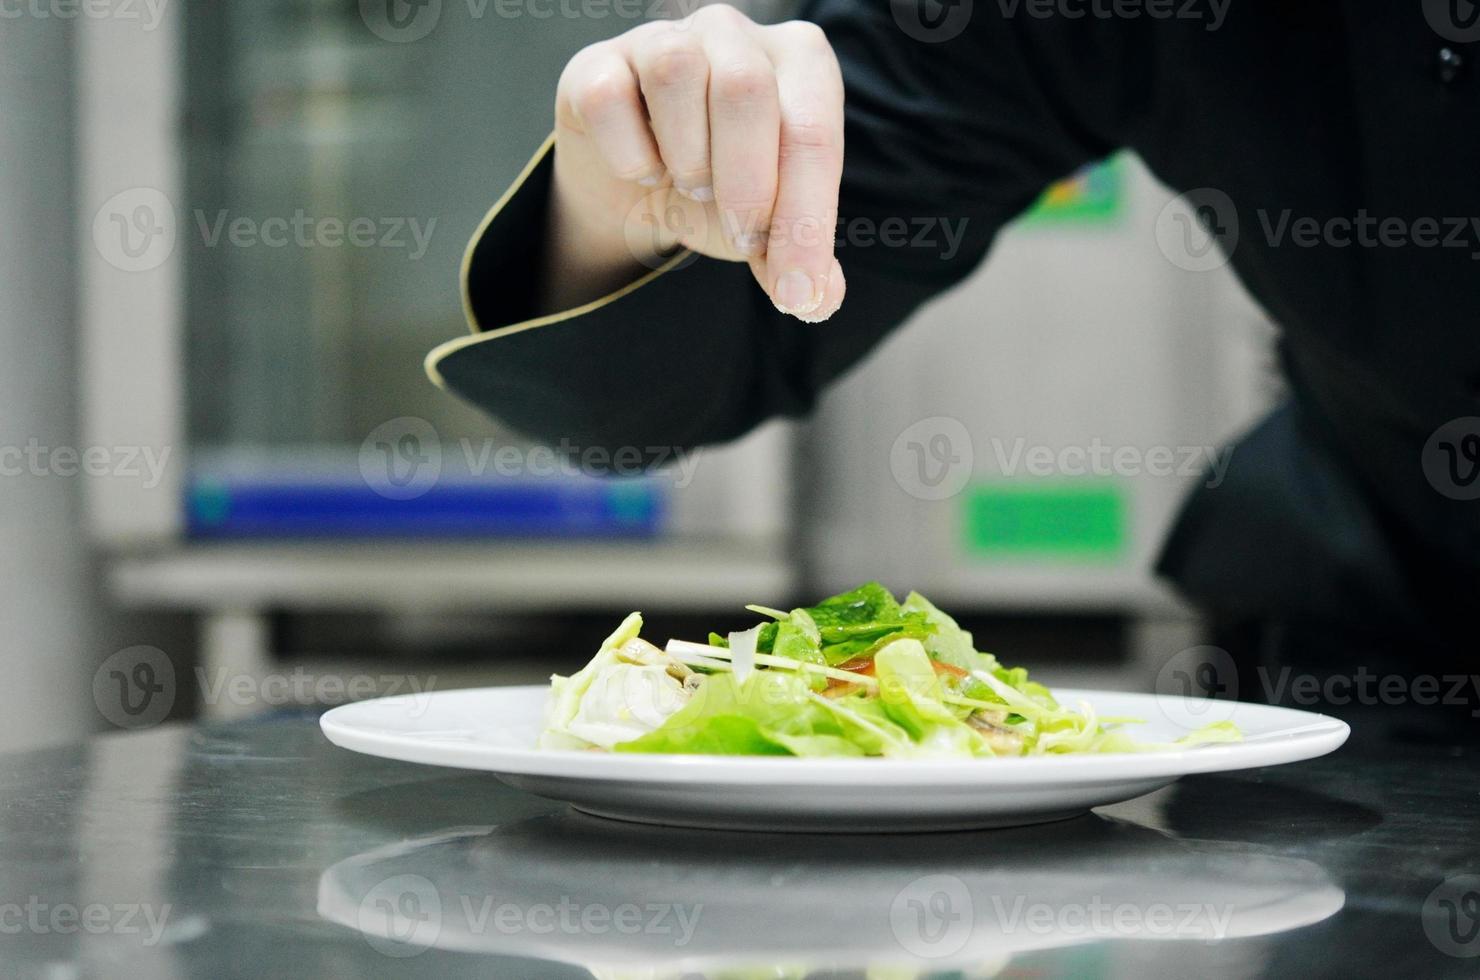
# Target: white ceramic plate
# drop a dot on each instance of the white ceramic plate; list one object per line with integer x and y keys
{"x": 494, "y": 729}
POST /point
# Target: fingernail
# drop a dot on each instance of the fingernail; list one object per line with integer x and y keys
{"x": 817, "y": 316}
{"x": 650, "y": 181}
{"x": 796, "y": 293}
{"x": 701, "y": 194}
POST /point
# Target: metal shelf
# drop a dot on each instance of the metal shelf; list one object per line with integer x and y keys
{"x": 678, "y": 575}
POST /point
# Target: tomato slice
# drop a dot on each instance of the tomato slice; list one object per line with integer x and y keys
{"x": 865, "y": 665}
{"x": 858, "y": 665}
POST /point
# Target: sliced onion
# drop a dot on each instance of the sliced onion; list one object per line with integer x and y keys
{"x": 742, "y": 653}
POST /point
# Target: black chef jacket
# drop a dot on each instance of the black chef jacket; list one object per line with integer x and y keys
{"x": 1363, "y": 115}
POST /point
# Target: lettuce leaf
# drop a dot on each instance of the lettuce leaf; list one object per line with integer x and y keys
{"x": 933, "y": 694}
{"x": 771, "y": 713}
{"x": 857, "y": 623}
{"x": 1119, "y": 740}
{"x": 566, "y": 692}
{"x": 910, "y": 692}
{"x": 718, "y": 735}
{"x": 948, "y": 643}
{"x": 798, "y": 637}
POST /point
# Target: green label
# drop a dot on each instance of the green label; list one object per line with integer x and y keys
{"x": 1061, "y": 520}
{"x": 1093, "y": 196}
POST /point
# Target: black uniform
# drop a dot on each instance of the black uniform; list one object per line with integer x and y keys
{"x": 1334, "y": 146}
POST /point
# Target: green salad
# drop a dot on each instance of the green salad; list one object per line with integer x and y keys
{"x": 858, "y": 674}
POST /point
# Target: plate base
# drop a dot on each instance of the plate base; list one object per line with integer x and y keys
{"x": 853, "y": 809}
{"x": 778, "y": 824}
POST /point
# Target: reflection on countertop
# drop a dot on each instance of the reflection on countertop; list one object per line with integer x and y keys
{"x": 258, "y": 849}
{"x": 626, "y": 900}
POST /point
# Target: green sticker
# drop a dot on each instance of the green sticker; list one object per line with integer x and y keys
{"x": 1092, "y": 196}
{"x": 1061, "y": 520}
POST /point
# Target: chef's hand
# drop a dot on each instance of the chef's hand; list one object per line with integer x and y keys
{"x": 712, "y": 132}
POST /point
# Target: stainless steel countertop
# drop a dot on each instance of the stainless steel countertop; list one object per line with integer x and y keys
{"x": 258, "y": 849}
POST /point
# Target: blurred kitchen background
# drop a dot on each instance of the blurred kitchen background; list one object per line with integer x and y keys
{"x": 269, "y": 504}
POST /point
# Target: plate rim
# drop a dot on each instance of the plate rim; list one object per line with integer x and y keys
{"x": 1317, "y": 735}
